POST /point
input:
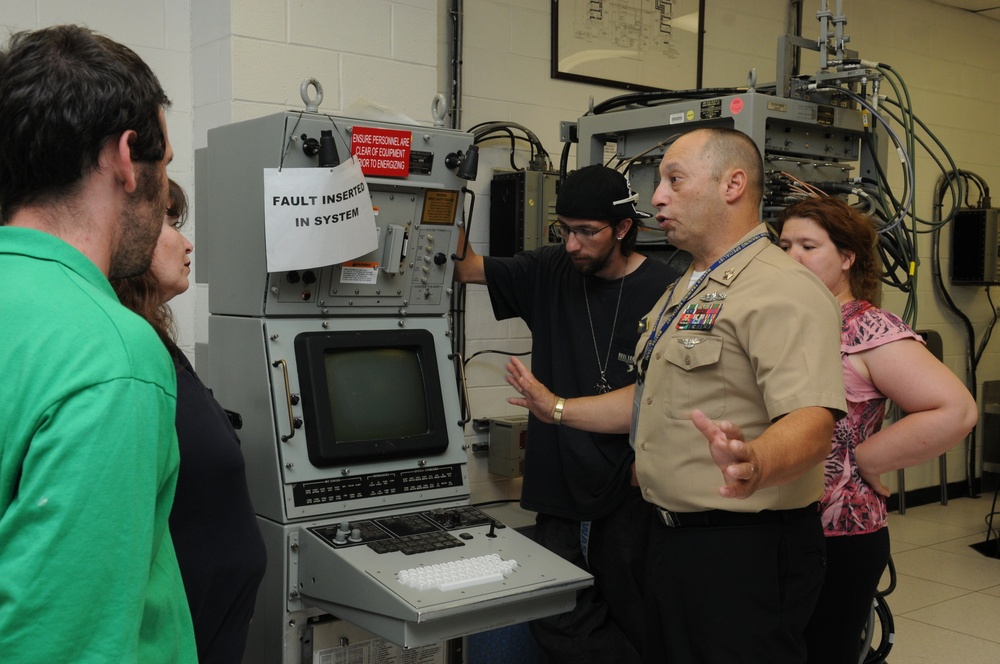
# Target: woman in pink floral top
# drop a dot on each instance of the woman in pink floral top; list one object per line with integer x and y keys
{"x": 882, "y": 358}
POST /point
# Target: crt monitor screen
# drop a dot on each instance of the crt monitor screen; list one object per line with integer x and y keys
{"x": 370, "y": 394}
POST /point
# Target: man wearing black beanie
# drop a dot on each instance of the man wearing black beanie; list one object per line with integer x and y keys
{"x": 583, "y": 300}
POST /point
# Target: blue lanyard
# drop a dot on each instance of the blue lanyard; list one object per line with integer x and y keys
{"x": 659, "y": 329}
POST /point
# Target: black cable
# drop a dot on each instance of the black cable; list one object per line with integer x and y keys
{"x": 488, "y": 135}
{"x": 458, "y": 342}
{"x": 908, "y": 174}
{"x": 887, "y": 627}
{"x": 655, "y": 97}
{"x": 894, "y": 259}
{"x": 499, "y": 501}
{"x": 989, "y": 328}
{"x": 891, "y": 568}
{"x": 891, "y": 76}
{"x": 956, "y": 203}
{"x": 979, "y": 200}
{"x": 532, "y": 138}
{"x": 496, "y": 352}
{"x": 877, "y": 654}
{"x": 970, "y": 333}
{"x": 564, "y": 161}
{"x": 984, "y": 189}
{"x": 883, "y": 181}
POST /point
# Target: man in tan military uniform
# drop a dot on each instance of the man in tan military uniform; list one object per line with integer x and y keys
{"x": 746, "y": 349}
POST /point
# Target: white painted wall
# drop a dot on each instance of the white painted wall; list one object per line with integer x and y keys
{"x": 947, "y": 58}
{"x": 160, "y": 32}
{"x": 227, "y": 60}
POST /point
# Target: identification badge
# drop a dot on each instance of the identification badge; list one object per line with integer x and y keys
{"x": 699, "y": 316}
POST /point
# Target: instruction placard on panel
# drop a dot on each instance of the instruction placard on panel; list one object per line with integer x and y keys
{"x": 383, "y": 152}
{"x": 439, "y": 207}
{"x": 357, "y": 272}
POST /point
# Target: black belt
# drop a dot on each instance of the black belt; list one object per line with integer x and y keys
{"x": 723, "y": 519}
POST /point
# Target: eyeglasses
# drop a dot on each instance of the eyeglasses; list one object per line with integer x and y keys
{"x": 564, "y": 231}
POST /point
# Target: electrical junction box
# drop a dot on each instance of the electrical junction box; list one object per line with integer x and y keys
{"x": 508, "y": 436}
{"x": 522, "y": 206}
{"x": 975, "y": 247}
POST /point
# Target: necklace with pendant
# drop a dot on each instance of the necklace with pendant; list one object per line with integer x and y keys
{"x": 602, "y": 386}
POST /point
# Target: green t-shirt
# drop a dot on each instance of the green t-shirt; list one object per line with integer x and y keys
{"x": 88, "y": 464}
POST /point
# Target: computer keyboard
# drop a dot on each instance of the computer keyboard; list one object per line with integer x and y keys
{"x": 457, "y": 574}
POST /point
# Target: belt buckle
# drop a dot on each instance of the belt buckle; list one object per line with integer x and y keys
{"x": 668, "y": 518}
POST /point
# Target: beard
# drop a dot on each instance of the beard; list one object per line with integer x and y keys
{"x": 140, "y": 224}
{"x": 595, "y": 263}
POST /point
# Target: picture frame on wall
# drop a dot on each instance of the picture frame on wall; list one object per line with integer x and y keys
{"x": 631, "y": 44}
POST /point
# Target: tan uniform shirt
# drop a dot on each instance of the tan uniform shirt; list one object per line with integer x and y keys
{"x": 773, "y": 347}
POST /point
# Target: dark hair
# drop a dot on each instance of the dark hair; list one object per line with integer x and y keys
{"x": 64, "y": 92}
{"x": 141, "y": 293}
{"x": 627, "y": 245}
{"x": 730, "y": 148}
{"x": 850, "y": 231}
{"x": 177, "y": 203}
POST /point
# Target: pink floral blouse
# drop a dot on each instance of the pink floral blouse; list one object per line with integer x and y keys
{"x": 850, "y": 506}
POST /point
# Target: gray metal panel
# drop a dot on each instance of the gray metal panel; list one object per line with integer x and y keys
{"x": 413, "y": 634}
{"x": 786, "y": 122}
{"x": 241, "y": 371}
{"x": 266, "y": 636}
{"x": 202, "y": 208}
{"x": 359, "y": 585}
{"x": 234, "y": 238}
{"x": 237, "y": 155}
{"x": 293, "y": 459}
{"x": 806, "y": 140}
{"x": 238, "y": 373}
{"x": 255, "y": 318}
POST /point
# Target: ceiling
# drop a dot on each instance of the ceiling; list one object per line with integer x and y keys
{"x": 987, "y": 8}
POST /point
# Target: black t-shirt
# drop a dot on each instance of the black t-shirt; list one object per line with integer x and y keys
{"x": 570, "y": 473}
{"x": 219, "y": 546}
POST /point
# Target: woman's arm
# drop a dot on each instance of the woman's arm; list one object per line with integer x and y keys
{"x": 940, "y": 410}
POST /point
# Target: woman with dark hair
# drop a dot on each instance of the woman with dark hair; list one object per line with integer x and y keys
{"x": 882, "y": 358}
{"x": 214, "y": 529}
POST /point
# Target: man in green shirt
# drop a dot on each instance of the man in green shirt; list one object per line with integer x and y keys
{"x": 88, "y": 451}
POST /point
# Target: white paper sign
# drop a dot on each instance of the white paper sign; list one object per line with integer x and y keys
{"x": 317, "y": 216}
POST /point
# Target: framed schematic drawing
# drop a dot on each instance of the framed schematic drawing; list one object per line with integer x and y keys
{"x": 633, "y": 44}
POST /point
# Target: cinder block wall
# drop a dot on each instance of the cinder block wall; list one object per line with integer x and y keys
{"x": 227, "y": 60}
